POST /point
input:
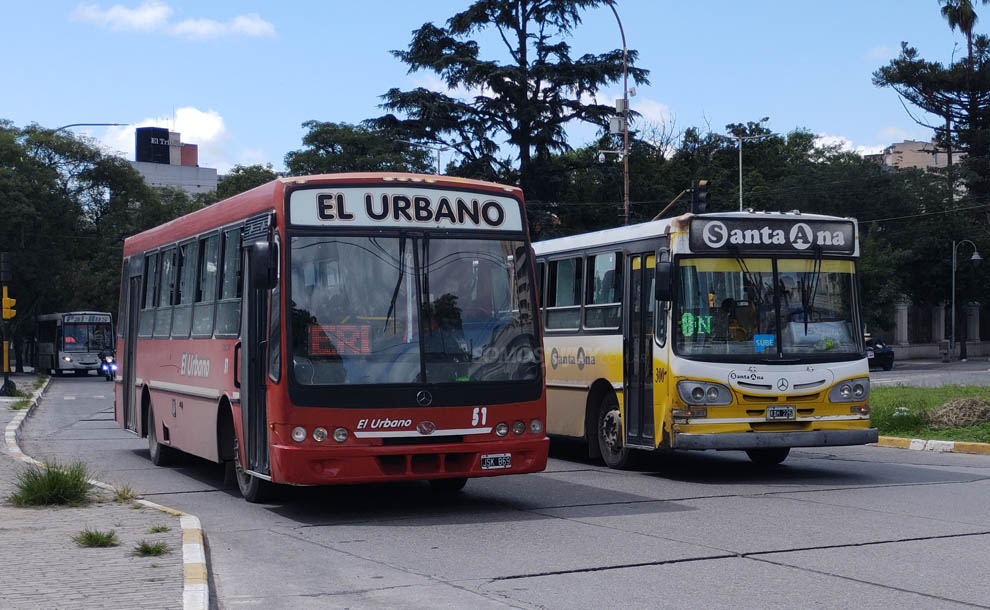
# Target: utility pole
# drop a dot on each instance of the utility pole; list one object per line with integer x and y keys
{"x": 625, "y": 118}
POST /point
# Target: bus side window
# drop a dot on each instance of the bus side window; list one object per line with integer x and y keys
{"x": 275, "y": 325}
{"x": 229, "y": 306}
{"x": 541, "y": 269}
{"x": 166, "y": 294}
{"x": 603, "y": 294}
{"x": 185, "y": 290}
{"x": 147, "y": 324}
{"x": 564, "y": 295}
{"x": 206, "y": 286}
{"x": 660, "y": 333}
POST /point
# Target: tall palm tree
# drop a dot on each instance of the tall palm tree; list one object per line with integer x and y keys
{"x": 960, "y": 14}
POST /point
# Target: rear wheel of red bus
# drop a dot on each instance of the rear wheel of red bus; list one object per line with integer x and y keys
{"x": 160, "y": 454}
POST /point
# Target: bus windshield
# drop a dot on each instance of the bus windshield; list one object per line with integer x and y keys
{"x": 381, "y": 310}
{"x": 86, "y": 337}
{"x": 766, "y": 308}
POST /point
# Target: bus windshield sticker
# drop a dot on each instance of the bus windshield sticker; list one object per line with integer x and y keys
{"x": 762, "y": 342}
{"x": 340, "y": 340}
{"x": 404, "y": 206}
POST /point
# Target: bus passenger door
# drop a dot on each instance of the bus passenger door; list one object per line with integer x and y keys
{"x": 129, "y": 357}
{"x": 638, "y": 351}
{"x": 253, "y": 343}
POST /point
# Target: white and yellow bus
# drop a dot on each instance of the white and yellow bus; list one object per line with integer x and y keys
{"x": 744, "y": 336}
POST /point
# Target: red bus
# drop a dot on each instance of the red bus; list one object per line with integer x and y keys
{"x": 341, "y": 328}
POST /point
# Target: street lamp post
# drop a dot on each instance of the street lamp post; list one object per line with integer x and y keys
{"x": 436, "y": 148}
{"x": 741, "y": 139}
{"x": 975, "y": 258}
{"x": 625, "y": 117}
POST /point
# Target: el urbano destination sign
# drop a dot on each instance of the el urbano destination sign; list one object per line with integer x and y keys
{"x": 773, "y": 234}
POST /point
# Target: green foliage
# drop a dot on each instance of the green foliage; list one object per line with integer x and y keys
{"x": 52, "y": 484}
{"x": 339, "y": 147}
{"x": 124, "y": 493}
{"x": 150, "y": 549}
{"x": 159, "y": 529}
{"x": 239, "y": 179}
{"x": 523, "y": 104}
{"x": 899, "y": 411}
{"x": 96, "y": 539}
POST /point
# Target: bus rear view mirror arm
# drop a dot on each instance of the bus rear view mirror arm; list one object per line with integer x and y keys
{"x": 664, "y": 280}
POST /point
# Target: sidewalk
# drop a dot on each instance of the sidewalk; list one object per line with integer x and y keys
{"x": 42, "y": 568}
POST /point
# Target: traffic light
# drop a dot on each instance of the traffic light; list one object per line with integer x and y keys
{"x": 8, "y": 305}
{"x": 699, "y": 196}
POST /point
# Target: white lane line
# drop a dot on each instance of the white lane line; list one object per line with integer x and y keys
{"x": 100, "y": 396}
{"x": 69, "y": 397}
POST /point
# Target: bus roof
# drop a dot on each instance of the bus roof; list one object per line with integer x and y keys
{"x": 657, "y": 228}
{"x": 58, "y": 316}
{"x": 269, "y": 195}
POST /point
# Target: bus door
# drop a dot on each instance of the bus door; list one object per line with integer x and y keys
{"x": 256, "y": 269}
{"x": 638, "y": 351}
{"x": 129, "y": 362}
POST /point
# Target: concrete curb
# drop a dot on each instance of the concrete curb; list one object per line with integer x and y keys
{"x": 195, "y": 587}
{"x": 920, "y": 444}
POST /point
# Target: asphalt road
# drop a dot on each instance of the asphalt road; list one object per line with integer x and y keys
{"x": 861, "y": 527}
{"x": 930, "y": 373}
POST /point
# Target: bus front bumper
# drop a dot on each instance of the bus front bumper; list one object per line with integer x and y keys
{"x": 378, "y": 464}
{"x": 766, "y": 440}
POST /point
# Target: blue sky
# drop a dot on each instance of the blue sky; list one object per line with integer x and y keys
{"x": 239, "y": 78}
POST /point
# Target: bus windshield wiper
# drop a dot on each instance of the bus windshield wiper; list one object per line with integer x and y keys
{"x": 398, "y": 282}
{"x": 757, "y": 296}
{"x": 808, "y": 293}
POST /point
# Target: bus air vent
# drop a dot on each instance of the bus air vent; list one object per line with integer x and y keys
{"x": 755, "y": 386}
{"x": 803, "y": 397}
{"x": 810, "y": 384}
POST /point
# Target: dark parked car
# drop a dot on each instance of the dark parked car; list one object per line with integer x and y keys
{"x": 879, "y": 353}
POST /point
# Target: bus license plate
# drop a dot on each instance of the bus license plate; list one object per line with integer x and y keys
{"x": 869, "y": 353}
{"x": 496, "y": 461}
{"x": 782, "y": 412}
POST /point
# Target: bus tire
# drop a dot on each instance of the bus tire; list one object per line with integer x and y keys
{"x": 609, "y": 433}
{"x": 448, "y": 486}
{"x": 160, "y": 454}
{"x": 252, "y": 488}
{"x": 768, "y": 457}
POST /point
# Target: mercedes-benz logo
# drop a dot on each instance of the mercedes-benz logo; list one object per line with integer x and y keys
{"x": 424, "y": 398}
{"x": 426, "y": 428}
{"x": 781, "y": 384}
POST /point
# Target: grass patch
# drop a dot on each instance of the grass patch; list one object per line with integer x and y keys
{"x": 137, "y": 506}
{"x": 902, "y": 411}
{"x": 52, "y": 484}
{"x": 159, "y": 529}
{"x": 96, "y": 539}
{"x": 20, "y": 405}
{"x": 150, "y": 549}
{"x": 40, "y": 380}
{"x": 124, "y": 493}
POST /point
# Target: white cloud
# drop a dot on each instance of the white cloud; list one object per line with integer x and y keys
{"x": 148, "y": 15}
{"x": 651, "y": 110}
{"x": 823, "y": 140}
{"x": 155, "y": 15}
{"x": 893, "y": 134}
{"x": 882, "y": 52}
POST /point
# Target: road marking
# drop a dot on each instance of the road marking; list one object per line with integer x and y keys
{"x": 69, "y": 397}
{"x": 100, "y": 396}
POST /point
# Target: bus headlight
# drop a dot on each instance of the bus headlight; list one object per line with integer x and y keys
{"x": 502, "y": 429}
{"x": 851, "y": 390}
{"x": 66, "y": 358}
{"x": 299, "y": 434}
{"x": 536, "y": 426}
{"x": 518, "y": 427}
{"x": 319, "y": 434}
{"x": 703, "y": 393}
{"x": 340, "y": 435}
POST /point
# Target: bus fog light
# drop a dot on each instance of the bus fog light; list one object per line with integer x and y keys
{"x": 518, "y": 427}
{"x": 861, "y": 410}
{"x": 536, "y": 426}
{"x": 319, "y": 434}
{"x": 502, "y": 429}
{"x": 340, "y": 435}
{"x": 299, "y": 434}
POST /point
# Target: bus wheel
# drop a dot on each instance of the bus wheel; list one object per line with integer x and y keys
{"x": 610, "y": 433}
{"x": 160, "y": 454}
{"x": 251, "y": 487}
{"x": 448, "y": 486}
{"x": 768, "y": 457}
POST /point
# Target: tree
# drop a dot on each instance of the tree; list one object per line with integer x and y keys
{"x": 340, "y": 147}
{"x": 244, "y": 178}
{"x": 524, "y": 103}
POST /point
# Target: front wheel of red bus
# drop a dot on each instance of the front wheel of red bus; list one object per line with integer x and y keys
{"x": 252, "y": 488}
{"x": 613, "y": 450}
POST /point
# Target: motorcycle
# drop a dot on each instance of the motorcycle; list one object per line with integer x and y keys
{"x": 109, "y": 367}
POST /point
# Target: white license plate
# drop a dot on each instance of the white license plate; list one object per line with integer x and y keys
{"x": 496, "y": 461}
{"x": 782, "y": 412}
{"x": 869, "y": 353}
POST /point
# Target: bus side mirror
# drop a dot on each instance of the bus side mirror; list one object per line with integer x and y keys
{"x": 664, "y": 280}
{"x": 264, "y": 265}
